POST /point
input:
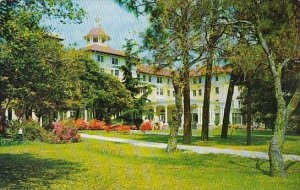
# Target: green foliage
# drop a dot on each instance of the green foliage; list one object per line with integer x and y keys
{"x": 134, "y": 114}
{"x": 32, "y": 131}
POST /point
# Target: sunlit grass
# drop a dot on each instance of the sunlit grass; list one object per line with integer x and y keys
{"x": 236, "y": 139}
{"x": 95, "y": 164}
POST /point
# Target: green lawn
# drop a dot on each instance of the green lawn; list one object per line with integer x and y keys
{"x": 93, "y": 164}
{"x": 236, "y": 139}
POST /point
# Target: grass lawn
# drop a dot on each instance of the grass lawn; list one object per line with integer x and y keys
{"x": 93, "y": 164}
{"x": 236, "y": 139}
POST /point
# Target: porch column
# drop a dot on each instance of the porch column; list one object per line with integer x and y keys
{"x": 154, "y": 111}
{"x": 85, "y": 115}
{"x": 199, "y": 115}
{"x": 6, "y": 114}
{"x": 41, "y": 121}
{"x": 211, "y": 117}
{"x": 166, "y": 115}
{"x": 13, "y": 114}
{"x": 68, "y": 114}
{"x": 58, "y": 116}
{"x": 221, "y": 114}
{"x": 182, "y": 121}
{"x": 33, "y": 116}
{"x": 230, "y": 117}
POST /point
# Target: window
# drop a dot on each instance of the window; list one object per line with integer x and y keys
{"x": 200, "y": 92}
{"x": 194, "y": 81}
{"x": 217, "y": 90}
{"x": 169, "y": 94}
{"x": 95, "y": 38}
{"x": 159, "y": 91}
{"x": 116, "y": 73}
{"x": 194, "y": 92}
{"x": 168, "y": 81}
{"x": 217, "y": 78}
{"x": 200, "y": 80}
{"x": 159, "y": 79}
{"x": 115, "y": 61}
{"x": 144, "y": 77}
{"x": 112, "y": 72}
{"x": 100, "y": 58}
{"x": 138, "y": 76}
{"x": 101, "y": 69}
{"x": 149, "y": 78}
{"x": 236, "y": 118}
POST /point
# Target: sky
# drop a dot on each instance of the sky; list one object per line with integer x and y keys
{"x": 116, "y": 21}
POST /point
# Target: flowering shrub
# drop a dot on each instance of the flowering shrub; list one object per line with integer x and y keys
{"x": 97, "y": 125}
{"x": 32, "y": 131}
{"x": 146, "y": 126}
{"x": 123, "y": 129}
{"x": 81, "y": 124}
{"x": 65, "y": 131}
{"x": 109, "y": 128}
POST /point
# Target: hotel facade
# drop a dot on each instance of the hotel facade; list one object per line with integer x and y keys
{"x": 162, "y": 101}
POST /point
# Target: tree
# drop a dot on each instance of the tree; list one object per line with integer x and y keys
{"x": 275, "y": 25}
{"x": 19, "y": 31}
{"x": 133, "y": 85}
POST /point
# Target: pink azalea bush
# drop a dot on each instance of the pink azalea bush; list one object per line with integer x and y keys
{"x": 65, "y": 131}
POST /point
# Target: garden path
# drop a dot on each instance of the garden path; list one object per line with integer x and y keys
{"x": 195, "y": 149}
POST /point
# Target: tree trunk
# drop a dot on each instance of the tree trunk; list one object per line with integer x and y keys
{"x": 249, "y": 110}
{"x": 187, "y": 110}
{"x": 2, "y": 121}
{"x": 276, "y": 145}
{"x": 206, "y": 101}
{"x": 227, "y": 108}
{"x": 172, "y": 142}
{"x": 187, "y": 136}
{"x": 77, "y": 113}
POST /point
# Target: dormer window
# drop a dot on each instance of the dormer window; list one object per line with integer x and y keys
{"x": 95, "y": 38}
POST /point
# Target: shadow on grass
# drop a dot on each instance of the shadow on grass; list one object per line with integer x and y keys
{"x": 25, "y": 171}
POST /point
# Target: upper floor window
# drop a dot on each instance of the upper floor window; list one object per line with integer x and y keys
{"x": 200, "y": 80}
{"x": 144, "y": 77}
{"x": 194, "y": 80}
{"x": 217, "y": 90}
{"x": 95, "y": 38}
{"x": 138, "y": 76}
{"x": 217, "y": 78}
{"x": 194, "y": 92}
{"x": 149, "y": 78}
{"x": 159, "y": 79}
{"x": 200, "y": 92}
{"x": 159, "y": 91}
{"x": 115, "y": 61}
{"x": 117, "y": 72}
{"x": 100, "y": 58}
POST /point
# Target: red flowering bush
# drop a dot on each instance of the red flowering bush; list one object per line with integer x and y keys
{"x": 97, "y": 125}
{"x": 146, "y": 126}
{"x": 123, "y": 129}
{"x": 109, "y": 128}
{"x": 81, "y": 124}
{"x": 65, "y": 131}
